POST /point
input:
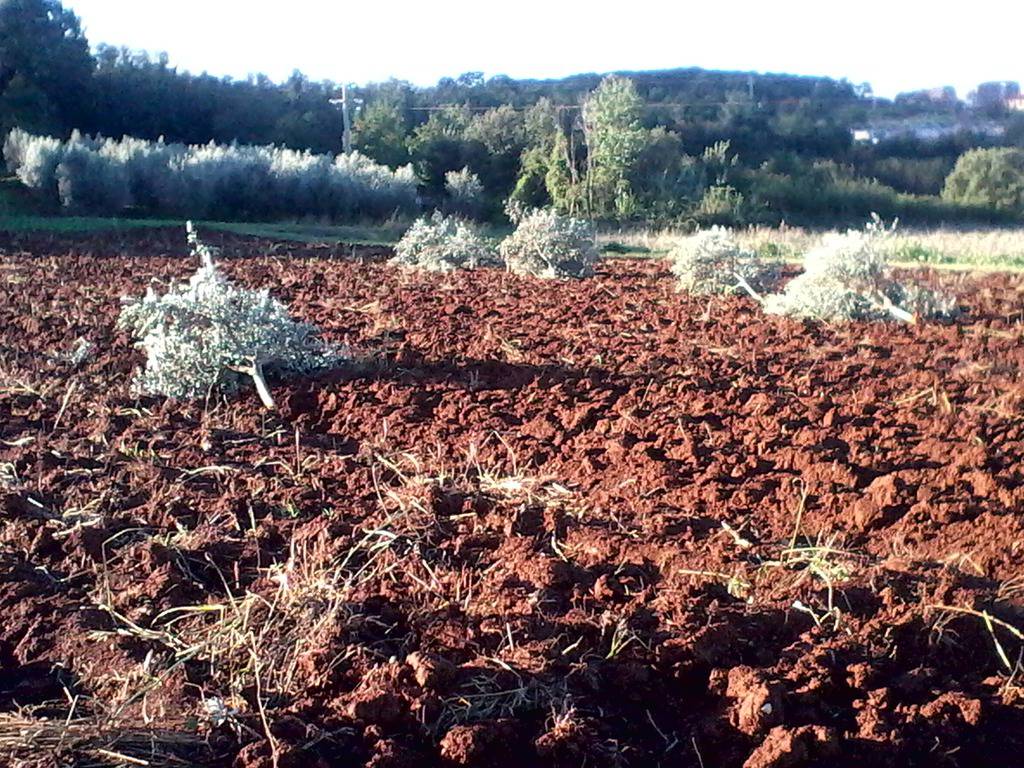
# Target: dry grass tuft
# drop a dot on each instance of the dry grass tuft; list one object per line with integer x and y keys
{"x": 262, "y": 648}
{"x": 992, "y": 623}
{"x": 30, "y": 738}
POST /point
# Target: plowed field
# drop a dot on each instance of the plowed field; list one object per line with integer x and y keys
{"x": 589, "y": 523}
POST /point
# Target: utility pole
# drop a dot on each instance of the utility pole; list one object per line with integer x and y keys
{"x": 346, "y": 121}
{"x": 346, "y": 137}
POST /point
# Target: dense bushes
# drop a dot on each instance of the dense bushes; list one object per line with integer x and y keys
{"x": 805, "y": 194}
{"x": 105, "y": 176}
{"x": 916, "y": 175}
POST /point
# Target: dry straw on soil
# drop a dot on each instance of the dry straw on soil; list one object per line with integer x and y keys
{"x": 30, "y": 738}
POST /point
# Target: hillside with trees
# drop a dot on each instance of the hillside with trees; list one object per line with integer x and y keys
{"x": 676, "y": 146}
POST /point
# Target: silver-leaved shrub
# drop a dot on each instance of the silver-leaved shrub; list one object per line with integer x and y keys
{"x": 442, "y": 244}
{"x": 464, "y": 193}
{"x": 712, "y": 262}
{"x": 33, "y": 159}
{"x": 89, "y": 180}
{"x": 845, "y": 278}
{"x": 210, "y": 335}
{"x": 548, "y": 245}
{"x": 107, "y": 176}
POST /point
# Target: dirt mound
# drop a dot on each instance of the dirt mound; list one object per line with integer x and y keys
{"x": 591, "y": 522}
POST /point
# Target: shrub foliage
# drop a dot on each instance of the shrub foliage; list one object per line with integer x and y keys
{"x": 464, "y": 193}
{"x": 711, "y": 261}
{"x": 992, "y": 177}
{"x": 845, "y": 278}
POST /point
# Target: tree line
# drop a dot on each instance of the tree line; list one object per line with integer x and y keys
{"x": 685, "y": 145}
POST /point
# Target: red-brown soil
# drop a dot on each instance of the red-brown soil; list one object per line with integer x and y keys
{"x": 558, "y": 524}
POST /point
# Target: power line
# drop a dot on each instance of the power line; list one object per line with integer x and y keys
{"x": 793, "y": 101}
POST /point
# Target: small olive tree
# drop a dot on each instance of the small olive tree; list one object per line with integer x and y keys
{"x": 712, "y": 262}
{"x": 211, "y": 334}
{"x": 845, "y": 278}
{"x": 546, "y": 244}
{"x": 442, "y": 244}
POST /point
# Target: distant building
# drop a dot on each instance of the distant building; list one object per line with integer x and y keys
{"x": 925, "y": 129}
{"x": 1016, "y": 104}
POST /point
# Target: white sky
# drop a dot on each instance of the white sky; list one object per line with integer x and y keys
{"x": 895, "y": 45}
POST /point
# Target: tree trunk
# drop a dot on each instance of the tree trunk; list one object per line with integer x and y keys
{"x": 746, "y": 287}
{"x": 261, "y": 387}
{"x": 255, "y": 372}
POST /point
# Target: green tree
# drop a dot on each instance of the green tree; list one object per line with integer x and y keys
{"x": 440, "y": 145}
{"x": 615, "y": 138}
{"x": 380, "y": 132}
{"x": 45, "y": 66}
{"x": 541, "y": 124}
{"x": 531, "y": 183}
{"x": 992, "y": 178}
{"x": 501, "y": 130}
{"x": 541, "y": 130}
{"x": 563, "y": 180}
{"x": 665, "y": 180}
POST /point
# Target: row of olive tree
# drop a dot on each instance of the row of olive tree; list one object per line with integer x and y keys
{"x": 106, "y": 176}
